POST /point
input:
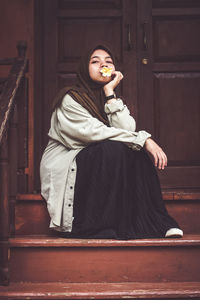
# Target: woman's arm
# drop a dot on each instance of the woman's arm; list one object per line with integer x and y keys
{"x": 119, "y": 115}
{"x": 160, "y": 158}
{"x": 118, "y": 119}
{"x": 73, "y": 126}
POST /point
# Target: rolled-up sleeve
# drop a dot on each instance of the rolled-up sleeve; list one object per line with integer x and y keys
{"x": 119, "y": 115}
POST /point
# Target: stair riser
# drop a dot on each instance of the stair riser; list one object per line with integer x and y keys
{"x": 149, "y": 264}
{"x": 32, "y": 216}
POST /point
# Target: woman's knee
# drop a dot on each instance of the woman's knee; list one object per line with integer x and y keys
{"x": 112, "y": 149}
{"x": 110, "y": 145}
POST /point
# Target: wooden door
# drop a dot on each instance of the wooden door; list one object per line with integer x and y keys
{"x": 158, "y": 50}
{"x": 169, "y": 85}
{"x": 71, "y": 27}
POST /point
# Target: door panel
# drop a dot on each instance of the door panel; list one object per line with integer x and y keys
{"x": 177, "y": 119}
{"x": 175, "y": 38}
{"x": 81, "y": 29}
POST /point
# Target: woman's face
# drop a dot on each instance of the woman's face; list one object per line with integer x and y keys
{"x": 99, "y": 59}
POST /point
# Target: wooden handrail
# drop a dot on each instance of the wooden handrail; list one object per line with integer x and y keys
{"x": 8, "y": 156}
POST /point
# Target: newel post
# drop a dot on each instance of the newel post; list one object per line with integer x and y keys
{"x": 21, "y": 49}
{"x": 4, "y": 213}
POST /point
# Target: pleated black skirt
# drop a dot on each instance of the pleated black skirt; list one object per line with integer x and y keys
{"x": 118, "y": 195}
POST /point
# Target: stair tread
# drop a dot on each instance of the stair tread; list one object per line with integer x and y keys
{"x": 168, "y": 194}
{"x": 58, "y": 290}
{"x": 51, "y": 241}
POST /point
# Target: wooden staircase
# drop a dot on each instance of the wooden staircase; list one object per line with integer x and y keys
{"x": 45, "y": 266}
{"x": 37, "y": 264}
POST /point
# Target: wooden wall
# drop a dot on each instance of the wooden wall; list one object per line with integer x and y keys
{"x": 17, "y": 23}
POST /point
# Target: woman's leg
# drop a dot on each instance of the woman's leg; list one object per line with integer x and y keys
{"x": 98, "y": 189}
{"x": 117, "y": 194}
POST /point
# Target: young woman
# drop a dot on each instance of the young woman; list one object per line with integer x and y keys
{"x": 96, "y": 175}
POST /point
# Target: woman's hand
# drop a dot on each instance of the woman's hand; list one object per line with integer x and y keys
{"x": 160, "y": 158}
{"x": 111, "y": 85}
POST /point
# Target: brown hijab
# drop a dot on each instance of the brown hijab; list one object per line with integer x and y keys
{"x": 86, "y": 92}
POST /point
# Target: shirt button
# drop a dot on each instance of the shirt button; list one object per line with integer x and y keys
{"x": 69, "y": 205}
{"x": 72, "y": 170}
{"x": 71, "y": 187}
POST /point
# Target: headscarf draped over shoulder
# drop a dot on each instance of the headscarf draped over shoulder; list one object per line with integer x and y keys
{"x": 86, "y": 92}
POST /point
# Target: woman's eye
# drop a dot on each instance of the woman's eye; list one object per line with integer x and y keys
{"x": 94, "y": 62}
{"x": 109, "y": 62}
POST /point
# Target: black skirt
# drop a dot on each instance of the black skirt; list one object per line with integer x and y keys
{"x": 118, "y": 195}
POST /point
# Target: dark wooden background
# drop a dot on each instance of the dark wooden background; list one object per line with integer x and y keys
{"x": 158, "y": 49}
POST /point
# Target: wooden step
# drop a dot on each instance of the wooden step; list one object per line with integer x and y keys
{"x": 48, "y": 259}
{"x": 32, "y": 216}
{"x": 128, "y": 290}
